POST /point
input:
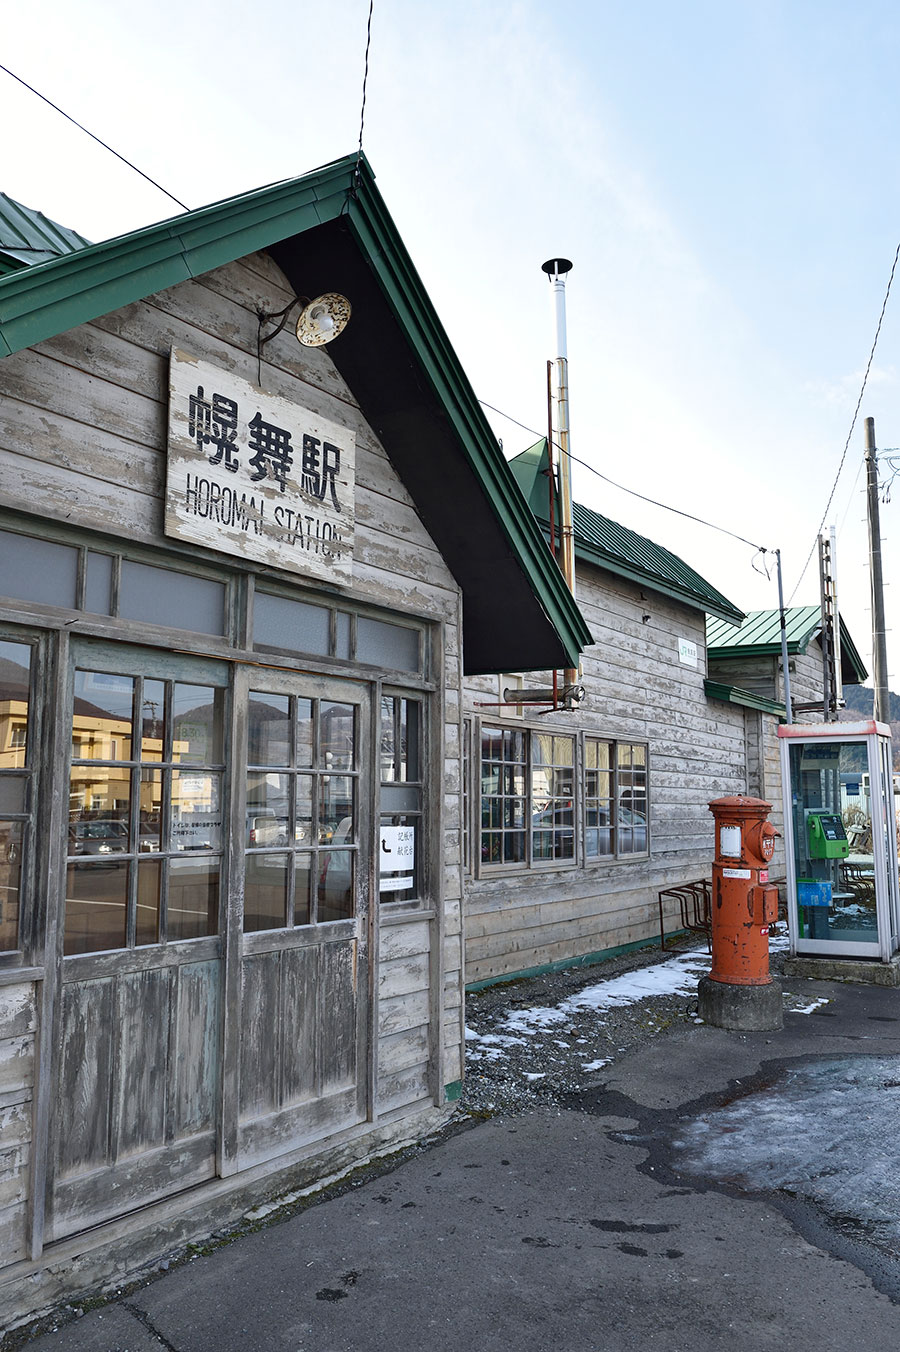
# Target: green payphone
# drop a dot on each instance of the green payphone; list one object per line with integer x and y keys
{"x": 826, "y": 836}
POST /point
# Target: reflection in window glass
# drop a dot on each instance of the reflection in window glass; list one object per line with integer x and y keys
{"x": 335, "y": 899}
{"x": 10, "y": 882}
{"x": 269, "y": 729}
{"x": 147, "y": 917}
{"x": 153, "y": 721}
{"x": 101, "y": 723}
{"x": 266, "y": 891}
{"x": 197, "y": 724}
{"x": 15, "y": 677}
{"x": 96, "y": 905}
{"x": 503, "y": 800}
{"x": 306, "y": 805}
{"x": 193, "y": 901}
{"x": 599, "y": 827}
{"x": 145, "y": 833}
{"x": 337, "y": 722}
{"x": 399, "y": 740}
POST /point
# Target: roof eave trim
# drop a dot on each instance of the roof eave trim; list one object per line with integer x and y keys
{"x": 732, "y": 694}
{"x": 612, "y": 564}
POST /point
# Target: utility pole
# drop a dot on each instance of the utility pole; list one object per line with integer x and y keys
{"x": 879, "y": 646}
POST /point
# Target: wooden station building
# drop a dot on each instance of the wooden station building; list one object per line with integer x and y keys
{"x": 242, "y": 582}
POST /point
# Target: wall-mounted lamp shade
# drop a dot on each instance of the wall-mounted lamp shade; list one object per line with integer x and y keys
{"x": 323, "y": 319}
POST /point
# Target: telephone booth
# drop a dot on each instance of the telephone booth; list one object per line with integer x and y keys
{"x": 840, "y": 840}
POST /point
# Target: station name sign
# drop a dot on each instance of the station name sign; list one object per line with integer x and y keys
{"x": 253, "y": 474}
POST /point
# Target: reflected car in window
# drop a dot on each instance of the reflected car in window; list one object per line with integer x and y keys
{"x": 100, "y": 837}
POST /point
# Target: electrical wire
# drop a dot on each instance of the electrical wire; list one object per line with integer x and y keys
{"x": 77, "y": 124}
{"x": 862, "y": 391}
{"x": 362, "y": 111}
{"x": 760, "y": 549}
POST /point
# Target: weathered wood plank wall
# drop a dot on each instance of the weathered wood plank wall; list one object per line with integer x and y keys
{"x": 637, "y": 689}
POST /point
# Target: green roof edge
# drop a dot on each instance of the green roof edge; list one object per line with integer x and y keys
{"x": 733, "y": 694}
{"x": 50, "y": 298}
{"x": 796, "y": 645}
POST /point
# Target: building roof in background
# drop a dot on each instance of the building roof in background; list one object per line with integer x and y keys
{"x": 28, "y": 237}
{"x": 330, "y": 230}
{"x": 603, "y": 542}
{"x": 760, "y": 636}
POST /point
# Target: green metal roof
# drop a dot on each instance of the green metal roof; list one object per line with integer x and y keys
{"x": 28, "y": 237}
{"x": 603, "y": 542}
{"x": 733, "y": 694}
{"x": 330, "y": 230}
{"x": 760, "y": 636}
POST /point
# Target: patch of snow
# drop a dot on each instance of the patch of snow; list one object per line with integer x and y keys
{"x": 534, "y": 1075}
{"x": 596, "y": 1065}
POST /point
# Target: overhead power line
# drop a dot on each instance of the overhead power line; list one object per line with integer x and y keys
{"x": 75, "y": 123}
{"x": 862, "y": 391}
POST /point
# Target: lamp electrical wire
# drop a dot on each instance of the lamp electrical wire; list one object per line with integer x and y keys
{"x": 362, "y": 111}
{"x": 87, "y": 132}
{"x": 760, "y": 549}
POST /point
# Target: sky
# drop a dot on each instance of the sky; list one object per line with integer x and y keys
{"x": 722, "y": 173}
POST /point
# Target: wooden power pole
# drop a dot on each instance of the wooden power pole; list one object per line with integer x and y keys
{"x": 879, "y": 645}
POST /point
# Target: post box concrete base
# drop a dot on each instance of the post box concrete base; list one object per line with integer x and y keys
{"x": 740, "y": 1009}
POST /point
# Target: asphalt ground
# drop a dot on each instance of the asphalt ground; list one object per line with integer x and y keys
{"x": 575, "y": 1223}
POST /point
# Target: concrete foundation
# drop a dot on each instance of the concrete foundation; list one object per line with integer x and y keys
{"x": 862, "y": 970}
{"x": 740, "y": 1009}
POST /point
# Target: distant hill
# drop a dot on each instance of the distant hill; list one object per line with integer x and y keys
{"x": 860, "y": 700}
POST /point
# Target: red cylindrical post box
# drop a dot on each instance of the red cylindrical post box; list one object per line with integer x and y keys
{"x": 743, "y": 902}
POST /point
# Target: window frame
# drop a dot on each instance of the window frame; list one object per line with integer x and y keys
{"x": 422, "y": 888}
{"x": 580, "y": 859}
{"x": 529, "y": 863}
{"x": 31, "y": 771}
{"x": 617, "y": 855}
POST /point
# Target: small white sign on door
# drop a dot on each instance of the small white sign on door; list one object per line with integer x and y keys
{"x": 398, "y": 849}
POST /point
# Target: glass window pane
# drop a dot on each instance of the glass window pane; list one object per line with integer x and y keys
{"x": 303, "y": 810}
{"x": 176, "y": 600}
{"x": 265, "y": 891}
{"x": 101, "y": 722}
{"x": 12, "y": 793}
{"x": 150, "y": 812}
{"x": 387, "y": 645}
{"x": 147, "y": 916}
{"x": 305, "y": 732}
{"x": 96, "y": 906}
{"x": 268, "y": 809}
{"x": 196, "y": 811}
{"x": 514, "y": 847}
{"x": 541, "y": 749}
{"x": 37, "y": 570}
{"x": 337, "y": 724}
{"x": 193, "y": 900}
{"x": 335, "y": 892}
{"x": 292, "y": 625}
{"x": 335, "y": 809}
{"x": 10, "y": 883}
{"x": 197, "y": 725}
{"x": 98, "y": 584}
{"x": 399, "y": 797}
{"x": 302, "y": 889}
{"x": 15, "y": 670}
{"x": 269, "y": 729}
{"x": 99, "y": 812}
{"x": 563, "y": 751}
{"x": 153, "y": 720}
{"x": 388, "y": 744}
{"x": 342, "y": 646}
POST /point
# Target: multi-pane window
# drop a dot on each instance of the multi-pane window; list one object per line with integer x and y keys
{"x": 504, "y": 800}
{"x": 400, "y": 756}
{"x": 15, "y": 773}
{"x": 530, "y": 798}
{"x": 145, "y": 834}
{"x": 527, "y": 797}
{"x": 552, "y": 796}
{"x": 631, "y": 798}
{"x": 615, "y": 798}
{"x": 302, "y": 790}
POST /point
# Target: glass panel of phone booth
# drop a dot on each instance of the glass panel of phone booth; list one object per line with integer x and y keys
{"x": 837, "y": 833}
